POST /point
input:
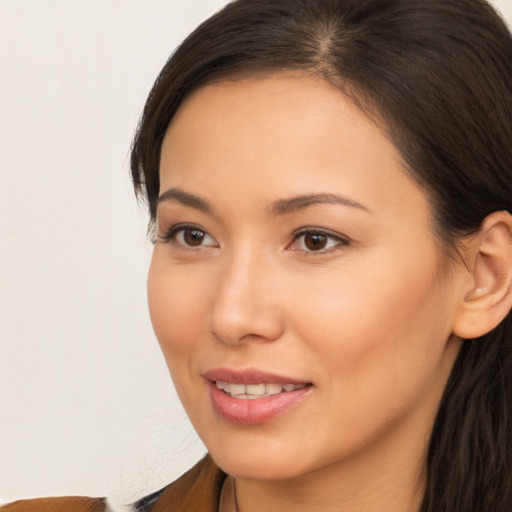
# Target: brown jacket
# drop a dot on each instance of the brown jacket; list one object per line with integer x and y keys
{"x": 198, "y": 490}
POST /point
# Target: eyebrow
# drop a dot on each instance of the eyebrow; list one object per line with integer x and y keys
{"x": 277, "y": 208}
{"x": 179, "y": 196}
{"x": 295, "y": 204}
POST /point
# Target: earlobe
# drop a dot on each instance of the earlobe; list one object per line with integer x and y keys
{"x": 489, "y": 298}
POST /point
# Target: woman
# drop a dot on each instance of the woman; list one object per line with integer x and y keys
{"x": 329, "y": 184}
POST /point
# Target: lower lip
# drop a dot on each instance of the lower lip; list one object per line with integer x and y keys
{"x": 257, "y": 410}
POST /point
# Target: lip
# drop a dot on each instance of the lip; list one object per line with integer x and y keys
{"x": 258, "y": 410}
{"x": 250, "y": 376}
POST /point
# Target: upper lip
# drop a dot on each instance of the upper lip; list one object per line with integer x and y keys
{"x": 249, "y": 376}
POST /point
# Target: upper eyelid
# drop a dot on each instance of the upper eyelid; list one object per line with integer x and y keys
{"x": 327, "y": 232}
{"x": 173, "y": 230}
{"x": 342, "y": 241}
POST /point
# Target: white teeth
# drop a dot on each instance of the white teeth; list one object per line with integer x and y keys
{"x": 237, "y": 389}
{"x": 250, "y": 391}
{"x": 255, "y": 389}
{"x": 293, "y": 387}
{"x": 273, "y": 389}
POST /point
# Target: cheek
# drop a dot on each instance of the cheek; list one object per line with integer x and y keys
{"x": 176, "y": 307}
{"x": 379, "y": 345}
{"x": 376, "y": 329}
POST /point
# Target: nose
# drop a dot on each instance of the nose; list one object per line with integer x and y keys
{"x": 245, "y": 306}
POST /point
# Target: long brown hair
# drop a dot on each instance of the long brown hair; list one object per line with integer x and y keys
{"x": 437, "y": 74}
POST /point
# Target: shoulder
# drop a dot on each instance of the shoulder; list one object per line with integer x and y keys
{"x": 198, "y": 490}
{"x": 64, "y": 504}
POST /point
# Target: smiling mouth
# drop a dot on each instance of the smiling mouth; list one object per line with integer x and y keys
{"x": 255, "y": 391}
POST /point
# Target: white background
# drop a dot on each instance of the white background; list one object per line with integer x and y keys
{"x": 86, "y": 404}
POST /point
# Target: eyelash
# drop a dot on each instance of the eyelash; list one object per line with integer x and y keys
{"x": 170, "y": 236}
{"x": 340, "y": 241}
{"x": 173, "y": 231}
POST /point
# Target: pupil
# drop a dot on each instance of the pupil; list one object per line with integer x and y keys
{"x": 315, "y": 241}
{"x": 193, "y": 236}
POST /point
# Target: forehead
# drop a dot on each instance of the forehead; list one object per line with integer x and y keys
{"x": 281, "y": 135}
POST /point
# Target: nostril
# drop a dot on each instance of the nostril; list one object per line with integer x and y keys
{"x": 234, "y": 328}
{"x": 231, "y": 338}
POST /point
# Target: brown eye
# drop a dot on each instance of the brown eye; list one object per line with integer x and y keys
{"x": 193, "y": 237}
{"x": 188, "y": 237}
{"x": 318, "y": 241}
{"x": 315, "y": 241}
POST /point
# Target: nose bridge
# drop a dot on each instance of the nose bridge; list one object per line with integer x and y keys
{"x": 243, "y": 306}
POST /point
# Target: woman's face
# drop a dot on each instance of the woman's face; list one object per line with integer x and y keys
{"x": 296, "y": 266}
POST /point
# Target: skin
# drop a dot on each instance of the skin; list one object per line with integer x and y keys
{"x": 367, "y": 320}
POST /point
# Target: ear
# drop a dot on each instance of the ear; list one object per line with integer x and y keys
{"x": 486, "y": 298}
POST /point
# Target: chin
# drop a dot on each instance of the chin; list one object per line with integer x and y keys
{"x": 258, "y": 459}
{"x": 258, "y": 467}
